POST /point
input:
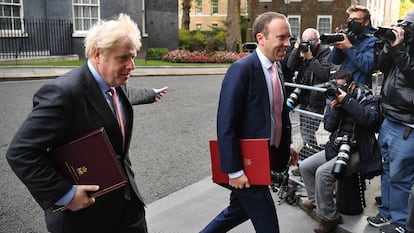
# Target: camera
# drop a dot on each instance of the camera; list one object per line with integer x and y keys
{"x": 329, "y": 38}
{"x": 341, "y": 164}
{"x": 331, "y": 89}
{"x": 293, "y": 99}
{"x": 385, "y": 33}
{"x": 305, "y": 44}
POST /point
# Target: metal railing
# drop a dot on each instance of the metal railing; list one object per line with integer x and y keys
{"x": 312, "y": 120}
{"x": 310, "y": 127}
{"x": 36, "y": 38}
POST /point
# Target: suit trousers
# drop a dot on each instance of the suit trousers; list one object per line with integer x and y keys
{"x": 111, "y": 213}
{"x": 254, "y": 203}
{"x": 317, "y": 176}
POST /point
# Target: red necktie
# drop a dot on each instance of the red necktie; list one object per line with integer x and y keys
{"x": 118, "y": 112}
{"x": 277, "y": 105}
{"x": 120, "y": 118}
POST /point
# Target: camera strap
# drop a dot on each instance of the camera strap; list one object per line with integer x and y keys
{"x": 353, "y": 129}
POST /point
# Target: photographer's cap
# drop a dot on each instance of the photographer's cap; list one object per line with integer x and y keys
{"x": 409, "y": 17}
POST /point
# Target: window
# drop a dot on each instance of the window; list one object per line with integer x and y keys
{"x": 198, "y": 26}
{"x": 199, "y": 6}
{"x": 11, "y": 16}
{"x": 214, "y": 6}
{"x": 85, "y": 15}
{"x": 214, "y": 26}
{"x": 324, "y": 24}
{"x": 294, "y": 25}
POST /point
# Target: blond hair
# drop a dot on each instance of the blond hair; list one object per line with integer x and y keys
{"x": 355, "y": 7}
{"x": 110, "y": 35}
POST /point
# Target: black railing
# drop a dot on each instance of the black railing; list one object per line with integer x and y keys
{"x": 35, "y": 38}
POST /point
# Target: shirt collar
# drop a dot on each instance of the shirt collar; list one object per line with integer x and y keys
{"x": 98, "y": 78}
{"x": 266, "y": 63}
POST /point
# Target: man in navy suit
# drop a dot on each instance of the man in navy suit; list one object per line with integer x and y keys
{"x": 246, "y": 110}
{"x": 68, "y": 108}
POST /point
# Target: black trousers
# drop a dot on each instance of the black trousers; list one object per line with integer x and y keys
{"x": 111, "y": 213}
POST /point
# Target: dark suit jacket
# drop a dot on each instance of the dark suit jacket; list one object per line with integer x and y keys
{"x": 65, "y": 109}
{"x": 244, "y": 112}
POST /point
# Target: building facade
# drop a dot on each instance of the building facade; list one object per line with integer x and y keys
{"x": 208, "y": 14}
{"x": 81, "y": 15}
{"x": 324, "y": 15}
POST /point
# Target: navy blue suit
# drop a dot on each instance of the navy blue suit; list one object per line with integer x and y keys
{"x": 244, "y": 112}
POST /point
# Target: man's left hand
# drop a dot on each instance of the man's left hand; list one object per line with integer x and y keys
{"x": 294, "y": 157}
{"x": 337, "y": 102}
{"x": 343, "y": 45}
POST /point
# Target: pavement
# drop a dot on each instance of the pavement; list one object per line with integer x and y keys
{"x": 191, "y": 208}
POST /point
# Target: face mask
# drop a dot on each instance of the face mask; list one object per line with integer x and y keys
{"x": 355, "y": 27}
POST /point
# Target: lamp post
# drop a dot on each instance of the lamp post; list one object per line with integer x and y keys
{"x": 287, "y": 2}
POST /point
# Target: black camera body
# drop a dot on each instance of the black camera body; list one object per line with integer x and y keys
{"x": 329, "y": 38}
{"x": 345, "y": 144}
{"x": 385, "y": 33}
{"x": 305, "y": 44}
{"x": 331, "y": 89}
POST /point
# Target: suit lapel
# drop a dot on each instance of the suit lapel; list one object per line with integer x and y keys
{"x": 281, "y": 77}
{"x": 262, "y": 86}
{"x": 94, "y": 96}
{"x": 128, "y": 114}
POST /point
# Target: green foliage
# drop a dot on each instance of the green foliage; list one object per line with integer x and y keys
{"x": 244, "y": 24}
{"x": 156, "y": 53}
{"x": 202, "y": 40}
{"x": 184, "y": 38}
{"x": 405, "y": 6}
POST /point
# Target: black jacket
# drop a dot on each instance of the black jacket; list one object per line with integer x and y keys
{"x": 397, "y": 97}
{"x": 311, "y": 72}
{"x": 358, "y": 118}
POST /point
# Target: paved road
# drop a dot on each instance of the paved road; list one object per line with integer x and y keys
{"x": 169, "y": 155}
{"x": 169, "y": 149}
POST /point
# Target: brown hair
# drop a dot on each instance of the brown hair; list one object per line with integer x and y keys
{"x": 261, "y": 22}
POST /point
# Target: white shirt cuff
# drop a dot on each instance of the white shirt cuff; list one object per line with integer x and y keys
{"x": 236, "y": 174}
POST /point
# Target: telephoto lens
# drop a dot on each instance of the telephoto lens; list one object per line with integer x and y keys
{"x": 341, "y": 163}
{"x": 293, "y": 99}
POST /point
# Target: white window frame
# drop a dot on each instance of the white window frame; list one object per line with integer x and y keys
{"x": 324, "y": 17}
{"x": 214, "y": 4}
{"x": 84, "y": 4}
{"x": 144, "y": 32}
{"x": 299, "y": 23}
{"x": 199, "y": 6}
{"x": 13, "y": 32}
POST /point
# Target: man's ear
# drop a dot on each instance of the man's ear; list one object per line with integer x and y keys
{"x": 96, "y": 54}
{"x": 259, "y": 37}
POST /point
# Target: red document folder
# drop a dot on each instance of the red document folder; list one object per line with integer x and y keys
{"x": 256, "y": 158}
{"x": 90, "y": 160}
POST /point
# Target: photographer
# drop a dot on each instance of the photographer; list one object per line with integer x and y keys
{"x": 311, "y": 59}
{"x": 396, "y": 138}
{"x": 352, "y": 115}
{"x": 356, "y": 51}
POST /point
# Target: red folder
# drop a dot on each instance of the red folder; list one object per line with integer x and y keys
{"x": 90, "y": 159}
{"x": 256, "y": 158}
